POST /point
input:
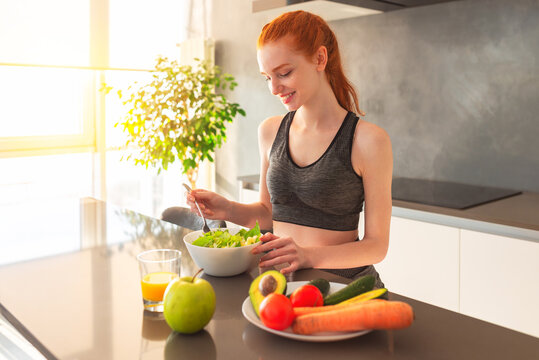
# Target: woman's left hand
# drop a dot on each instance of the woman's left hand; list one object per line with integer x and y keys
{"x": 281, "y": 250}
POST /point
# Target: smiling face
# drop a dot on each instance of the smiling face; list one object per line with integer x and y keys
{"x": 291, "y": 76}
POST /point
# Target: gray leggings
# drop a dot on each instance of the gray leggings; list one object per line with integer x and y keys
{"x": 357, "y": 272}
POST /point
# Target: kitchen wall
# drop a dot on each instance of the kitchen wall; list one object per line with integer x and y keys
{"x": 456, "y": 86}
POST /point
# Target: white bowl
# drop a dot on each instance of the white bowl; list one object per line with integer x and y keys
{"x": 220, "y": 261}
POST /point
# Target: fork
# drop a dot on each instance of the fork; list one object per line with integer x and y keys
{"x": 205, "y": 228}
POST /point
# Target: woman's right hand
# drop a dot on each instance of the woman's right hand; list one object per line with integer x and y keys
{"x": 212, "y": 205}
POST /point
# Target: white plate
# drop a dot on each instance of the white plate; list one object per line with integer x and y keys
{"x": 250, "y": 315}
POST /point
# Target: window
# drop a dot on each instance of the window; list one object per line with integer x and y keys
{"x": 45, "y": 108}
{"x": 45, "y": 177}
{"x": 57, "y": 134}
{"x": 142, "y": 29}
{"x": 52, "y": 32}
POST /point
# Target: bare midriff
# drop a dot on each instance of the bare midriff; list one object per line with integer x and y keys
{"x": 310, "y": 236}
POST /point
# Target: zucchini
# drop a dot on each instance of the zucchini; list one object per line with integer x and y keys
{"x": 356, "y": 287}
{"x": 322, "y": 285}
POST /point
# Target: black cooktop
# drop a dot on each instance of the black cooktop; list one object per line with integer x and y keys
{"x": 446, "y": 194}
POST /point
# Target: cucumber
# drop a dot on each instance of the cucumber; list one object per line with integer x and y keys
{"x": 356, "y": 287}
{"x": 322, "y": 285}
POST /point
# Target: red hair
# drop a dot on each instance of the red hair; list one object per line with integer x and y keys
{"x": 309, "y": 32}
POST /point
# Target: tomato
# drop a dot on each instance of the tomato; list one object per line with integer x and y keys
{"x": 276, "y": 311}
{"x": 307, "y": 295}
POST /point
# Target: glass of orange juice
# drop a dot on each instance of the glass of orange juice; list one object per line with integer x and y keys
{"x": 157, "y": 268}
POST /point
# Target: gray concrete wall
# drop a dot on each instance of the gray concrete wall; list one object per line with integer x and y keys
{"x": 236, "y": 30}
{"x": 456, "y": 86}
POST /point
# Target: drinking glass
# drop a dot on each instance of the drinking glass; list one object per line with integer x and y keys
{"x": 157, "y": 268}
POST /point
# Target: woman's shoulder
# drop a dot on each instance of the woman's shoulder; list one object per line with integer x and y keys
{"x": 267, "y": 130}
{"x": 369, "y": 133}
{"x": 370, "y": 139}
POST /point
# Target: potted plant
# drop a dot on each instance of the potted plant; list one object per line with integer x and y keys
{"x": 180, "y": 115}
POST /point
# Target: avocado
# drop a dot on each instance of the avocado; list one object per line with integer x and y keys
{"x": 264, "y": 284}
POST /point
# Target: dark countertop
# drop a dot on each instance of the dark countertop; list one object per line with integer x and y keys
{"x": 84, "y": 302}
{"x": 520, "y": 212}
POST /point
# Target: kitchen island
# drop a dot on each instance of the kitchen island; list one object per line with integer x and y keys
{"x": 83, "y": 301}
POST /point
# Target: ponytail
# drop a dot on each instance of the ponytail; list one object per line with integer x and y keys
{"x": 310, "y": 32}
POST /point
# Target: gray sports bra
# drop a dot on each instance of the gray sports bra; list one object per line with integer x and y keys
{"x": 326, "y": 194}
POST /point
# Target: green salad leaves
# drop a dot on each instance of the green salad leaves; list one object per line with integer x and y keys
{"x": 221, "y": 238}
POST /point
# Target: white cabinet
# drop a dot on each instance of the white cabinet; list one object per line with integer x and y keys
{"x": 249, "y": 196}
{"x": 489, "y": 277}
{"x": 423, "y": 262}
{"x": 248, "y": 189}
{"x": 499, "y": 280}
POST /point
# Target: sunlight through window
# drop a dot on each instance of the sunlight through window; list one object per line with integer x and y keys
{"x": 41, "y": 101}
{"x": 57, "y": 134}
{"x": 52, "y": 32}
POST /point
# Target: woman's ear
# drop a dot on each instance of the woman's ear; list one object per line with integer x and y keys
{"x": 321, "y": 58}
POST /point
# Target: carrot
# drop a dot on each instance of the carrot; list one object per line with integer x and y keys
{"x": 298, "y": 311}
{"x": 367, "y": 315}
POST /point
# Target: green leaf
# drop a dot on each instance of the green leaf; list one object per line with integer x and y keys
{"x": 253, "y": 232}
{"x": 177, "y": 115}
{"x": 222, "y": 238}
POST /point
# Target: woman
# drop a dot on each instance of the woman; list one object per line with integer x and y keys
{"x": 319, "y": 162}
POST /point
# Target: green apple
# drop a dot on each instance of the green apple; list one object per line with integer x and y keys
{"x": 189, "y": 304}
